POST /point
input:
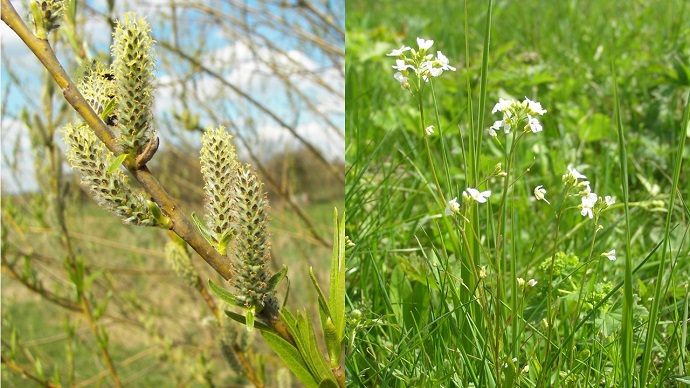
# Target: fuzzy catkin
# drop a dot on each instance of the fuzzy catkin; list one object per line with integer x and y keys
{"x": 97, "y": 86}
{"x": 250, "y": 249}
{"x": 218, "y": 165}
{"x": 133, "y": 67}
{"x": 181, "y": 263}
{"x": 112, "y": 191}
{"x": 52, "y": 11}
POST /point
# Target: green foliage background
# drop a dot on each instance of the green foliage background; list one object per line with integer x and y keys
{"x": 559, "y": 53}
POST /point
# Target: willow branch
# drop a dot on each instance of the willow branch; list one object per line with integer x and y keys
{"x": 181, "y": 224}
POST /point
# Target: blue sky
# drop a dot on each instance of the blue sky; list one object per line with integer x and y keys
{"x": 226, "y": 54}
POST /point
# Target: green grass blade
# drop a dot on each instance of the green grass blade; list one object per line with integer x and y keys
{"x": 654, "y": 311}
{"x": 628, "y": 302}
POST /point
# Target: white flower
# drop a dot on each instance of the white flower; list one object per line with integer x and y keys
{"x": 492, "y": 132}
{"x": 611, "y": 255}
{"x": 525, "y": 369}
{"x": 573, "y": 172}
{"x": 539, "y": 192}
{"x": 453, "y": 206}
{"x": 502, "y": 106}
{"x": 521, "y": 282}
{"x": 400, "y": 65}
{"x": 588, "y": 202}
{"x": 532, "y": 283}
{"x": 443, "y": 61}
{"x": 498, "y": 124}
{"x": 533, "y": 124}
{"x": 424, "y": 69}
{"x": 482, "y": 272}
{"x": 435, "y": 71}
{"x": 609, "y": 200}
{"x": 424, "y": 44}
{"x": 429, "y": 130}
{"x": 399, "y": 52}
{"x": 534, "y": 107}
{"x": 402, "y": 79}
{"x": 476, "y": 195}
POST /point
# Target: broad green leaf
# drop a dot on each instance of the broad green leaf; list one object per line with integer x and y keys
{"x": 292, "y": 358}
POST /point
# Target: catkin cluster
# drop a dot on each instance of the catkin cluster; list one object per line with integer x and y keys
{"x": 237, "y": 218}
{"x": 111, "y": 190}
{"x": 218, "y": 165}
{"x": 250, "y": 249}
{"x": 122, "y": 95}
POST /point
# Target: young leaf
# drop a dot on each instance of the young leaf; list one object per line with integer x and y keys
{"x": 224, "y": 294}
{"x": 291, "y": 357}
{"x": 276, "y": 278}
{"x": 249, "y": 316}
{"x": 202, "y": 228}
{"x": 116, "y": 163}
{"x": 323, "y": 304}
{"x": 241, "y": 319}
{"x": 333, "y": 343}
{"x": 337, "y": 280}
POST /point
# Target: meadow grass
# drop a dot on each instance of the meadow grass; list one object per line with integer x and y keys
{"x": 444, "y": 299}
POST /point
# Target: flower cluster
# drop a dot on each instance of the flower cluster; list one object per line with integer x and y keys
{"x": 469, "y": 196}
{"x": 591, "y": 203}
{"x": 515, "y": 113}
{"x": 422, "y": 64}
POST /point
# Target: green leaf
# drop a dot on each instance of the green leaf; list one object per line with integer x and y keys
{"x": 164, "y": 221}
{"x": 337, "y": 280}
{"x": 333, "y": 343}
{"x": 291, "y": 357}
{"x": 38, "y": 20}
{"x": 309, "y": 348}
{"x": 276, "y": 278}
{"x": 249, "y": 316}
{"x": 323, "y": 305}
{"x": 328, "y": 383}
{"x": 109, "y": 108}
{"x": 225, "y": 295}
{"x": 682, "y": 379}
{"x": 202, "y": 228}
{"x": 594, "y": 128}
{"x": 101, "y": 306}
{"x": 223, "y": 242}
{"x": 117, "y": 163}
{"x": 241, "y": 319}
